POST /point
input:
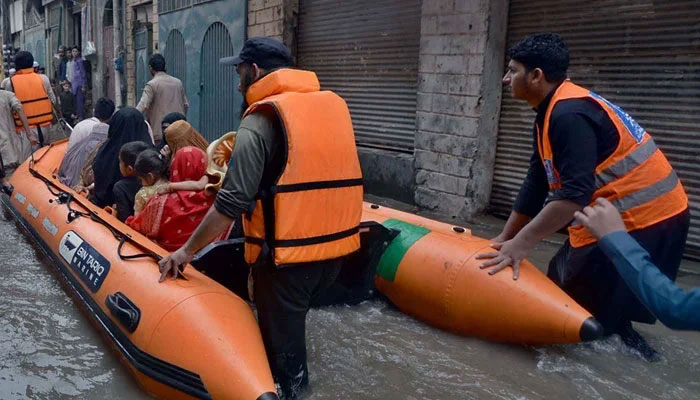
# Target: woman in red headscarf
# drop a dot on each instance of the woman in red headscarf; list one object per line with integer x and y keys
{"x": 170, "y": 218}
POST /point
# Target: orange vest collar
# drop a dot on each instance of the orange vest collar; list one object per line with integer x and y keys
{"x": 281, "y": 81}
{"x": 29, "y": 70}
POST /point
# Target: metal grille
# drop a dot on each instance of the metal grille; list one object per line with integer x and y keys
{"x": 40, "y": 50}
{"x": 54, "y": 15}
{"x": 141, "y": 68}
{"x": 166, "y": 6}
{"x": 108, "y": 15}
{"x": 642, "y": 55}
{"x": 217, "y": 84}
{"x": 175, "y": 57}
{"x": 141, "y": 51}
{"x": 141, "y": 38}
{"x": 367, "y": 52}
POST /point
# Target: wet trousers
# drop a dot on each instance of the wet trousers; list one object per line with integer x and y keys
{"x": 283, "y": 297}
{"x": 589, "y": 277}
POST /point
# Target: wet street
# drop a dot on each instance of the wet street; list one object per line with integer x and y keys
{"x": 49, "y": 350}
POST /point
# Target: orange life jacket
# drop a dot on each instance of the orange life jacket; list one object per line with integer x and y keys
{"x": 636, "y": 177}
{"x": 312, "y": 212}
{"x": 30, "y": 91}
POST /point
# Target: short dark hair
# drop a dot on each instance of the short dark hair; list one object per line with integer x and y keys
{"x": 130, "y": 151}
{"x": 76, "y": 48}
{"x": 546, "y": 51}
{"x": 151, "y": 162}
{"x": 157, "y": 62}
{"x": 104, "y": 108}
{"x": 24, "y": 59}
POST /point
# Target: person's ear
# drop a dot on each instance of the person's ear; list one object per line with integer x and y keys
{"x": 130, "y": 169}
{"x": 537, "y": 76}
{"x": 257, "y": 71}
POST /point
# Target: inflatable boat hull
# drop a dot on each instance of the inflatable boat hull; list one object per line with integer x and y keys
{"x": 180, "y": 339}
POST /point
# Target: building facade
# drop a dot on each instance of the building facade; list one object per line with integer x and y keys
{"x": 422, "y": 78}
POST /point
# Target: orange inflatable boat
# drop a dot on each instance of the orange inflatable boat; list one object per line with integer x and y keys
{"x": 197, "y": 337}
{"x": 181, "y": 339}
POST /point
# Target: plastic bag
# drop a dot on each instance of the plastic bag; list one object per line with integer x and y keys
{"x": 89, "y": 49}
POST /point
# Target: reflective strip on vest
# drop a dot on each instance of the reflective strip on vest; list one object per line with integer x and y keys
{"x": 636, "y": 177}
{"x": 627, "y": 164}
{"x": 647, "y": 194}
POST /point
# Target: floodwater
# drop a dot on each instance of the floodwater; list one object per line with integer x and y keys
{"x": 49, "y": 350}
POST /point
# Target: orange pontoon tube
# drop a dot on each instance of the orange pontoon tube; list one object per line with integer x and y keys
{"x": 429, "y": 271}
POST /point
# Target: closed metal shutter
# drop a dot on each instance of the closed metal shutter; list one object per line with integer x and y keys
{"x": 643, "y": 56}
{"x": 367, "y": 52}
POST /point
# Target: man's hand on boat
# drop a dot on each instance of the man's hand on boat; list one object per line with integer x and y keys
{"x": 170, "y": 264}
{"x": 510, "y": 253}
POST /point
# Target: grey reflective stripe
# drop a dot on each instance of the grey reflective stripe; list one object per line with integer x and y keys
{"x": 622, "y": 167}
{"x": 647, "y": 194}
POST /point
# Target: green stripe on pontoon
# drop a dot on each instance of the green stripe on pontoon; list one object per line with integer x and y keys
{"x": 393, "y": 255}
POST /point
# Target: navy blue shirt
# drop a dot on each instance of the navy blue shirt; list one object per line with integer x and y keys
{"x": 582, "y": 136}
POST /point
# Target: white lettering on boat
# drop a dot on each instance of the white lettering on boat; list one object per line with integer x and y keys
{"x": 20, "y": 198}
{"x": 85, "y": 261}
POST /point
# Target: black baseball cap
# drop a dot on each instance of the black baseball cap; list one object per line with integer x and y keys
{"x": 266, "y": 52}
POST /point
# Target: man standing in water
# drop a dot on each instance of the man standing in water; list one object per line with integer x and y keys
{"x": 295, "y": 174}
{"x": 15, "y": 146}
{"x": 162, "y": 95}
{"x": 586, "y": 148}
{"x": 35, "y": 93}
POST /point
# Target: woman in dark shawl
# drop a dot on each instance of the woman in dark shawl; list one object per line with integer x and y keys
{"x": 127, "y": 125}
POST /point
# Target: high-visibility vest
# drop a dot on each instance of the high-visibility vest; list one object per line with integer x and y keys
{"x": 636, "y": 177}
{"x": 29, "y": 89}
{"x": 312, "y": 212}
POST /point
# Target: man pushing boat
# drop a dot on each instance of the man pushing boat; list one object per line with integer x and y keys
{"x": 586, "y": 148}
{"x": 295, "y": 175}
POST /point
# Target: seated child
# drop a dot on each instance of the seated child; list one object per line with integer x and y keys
{"x": 67, "y": 100}
{"x": 125, "y": 189}
{"x": 152, "y": 170}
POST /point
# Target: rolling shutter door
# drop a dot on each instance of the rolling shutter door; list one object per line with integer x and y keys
{"x": 367, "y": 52}
{"x": 642, "y": 55}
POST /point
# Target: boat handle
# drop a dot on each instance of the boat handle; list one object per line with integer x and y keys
{"x": 124, "y": 309}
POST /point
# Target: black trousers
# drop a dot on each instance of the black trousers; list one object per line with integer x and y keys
{"x": 283, "y": 297}
{"x": 589, "y": 277}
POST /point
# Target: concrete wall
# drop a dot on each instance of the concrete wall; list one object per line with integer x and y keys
{"x": 461, "y": 62}
{"x": 152, "y": 17}
{"x": 459, "y": 97}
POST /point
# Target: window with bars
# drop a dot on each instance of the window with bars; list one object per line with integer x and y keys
{"x": 166, "y": 6}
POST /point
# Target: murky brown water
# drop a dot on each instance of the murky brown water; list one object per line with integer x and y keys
{"x": 49, "y": 350}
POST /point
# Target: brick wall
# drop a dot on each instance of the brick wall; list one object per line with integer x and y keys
{"x": 274, "y": 18}
{"x": 461, "y": 60}
{"x": 265, "y": 18}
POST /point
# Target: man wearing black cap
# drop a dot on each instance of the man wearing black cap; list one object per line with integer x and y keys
{"x": 295, "y": 175}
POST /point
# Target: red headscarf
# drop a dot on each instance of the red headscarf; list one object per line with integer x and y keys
{"x": 170, "y": 219}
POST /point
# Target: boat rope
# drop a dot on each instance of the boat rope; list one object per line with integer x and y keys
{"x": 63, "y": 197}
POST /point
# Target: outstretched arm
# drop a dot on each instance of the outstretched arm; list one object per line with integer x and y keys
{"x": 674, "y": 307}
{"x": 213, "y": 224}
{"x": 189, "y": 185}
